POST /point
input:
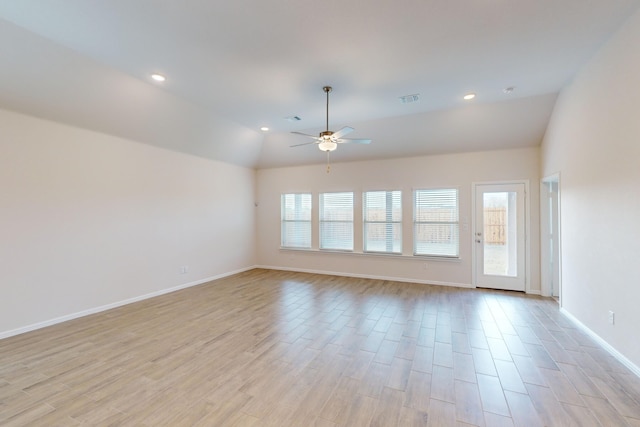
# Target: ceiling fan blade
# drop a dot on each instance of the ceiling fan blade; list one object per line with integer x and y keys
{"x": 304, "y": 143}
{"x": 306, "y": 134}
{"x": 357, "y": 141}
{"x": 345, "y": 130}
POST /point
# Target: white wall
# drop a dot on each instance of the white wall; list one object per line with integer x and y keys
{"x": 454, "y": 170}
{"x": 593, "y": 141}
{"x": 43, "y": 79}
{"x": 88, "y": 220}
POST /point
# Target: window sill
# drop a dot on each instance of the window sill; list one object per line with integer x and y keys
{"x": 375, "y": 255}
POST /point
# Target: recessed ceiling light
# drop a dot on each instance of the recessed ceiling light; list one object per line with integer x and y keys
{"x": 469, "y": 96}
{"x": 264, "y": 129}
{"x": 158, "y": 77}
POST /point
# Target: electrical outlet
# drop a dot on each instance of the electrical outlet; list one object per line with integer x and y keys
{"x": 184, "y": 269}
{"x": 426, "y": 266}
{"x": 612, "y": 317}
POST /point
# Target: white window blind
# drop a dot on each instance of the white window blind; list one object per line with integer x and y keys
{"x": 336, "y": 221}
{"x": 382, "y": 221}
{"x": 436, "y": 227}
{"x": 295, "y": 227}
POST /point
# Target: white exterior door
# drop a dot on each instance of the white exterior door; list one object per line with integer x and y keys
{"x": 499, "y": 236}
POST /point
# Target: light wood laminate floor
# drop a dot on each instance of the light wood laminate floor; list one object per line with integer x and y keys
{"x": 267, "y": 348}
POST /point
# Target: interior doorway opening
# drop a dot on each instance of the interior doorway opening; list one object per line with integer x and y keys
{"x": 550, "y": 237}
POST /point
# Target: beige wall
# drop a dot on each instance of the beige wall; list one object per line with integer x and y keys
{"x": 89, "y": 220}
{"x": 454, "y": 170}
{"x": 593, "y": 141}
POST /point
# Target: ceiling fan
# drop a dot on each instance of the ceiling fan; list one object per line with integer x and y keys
{"x": 328, "y": 140}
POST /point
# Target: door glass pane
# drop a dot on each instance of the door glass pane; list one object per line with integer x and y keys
{"x": 500, "y": 234}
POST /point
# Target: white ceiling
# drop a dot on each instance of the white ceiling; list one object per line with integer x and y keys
{"x": 234, "y": 66}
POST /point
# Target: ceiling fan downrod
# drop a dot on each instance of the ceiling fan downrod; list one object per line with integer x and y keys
{"x": 326, "y": 90}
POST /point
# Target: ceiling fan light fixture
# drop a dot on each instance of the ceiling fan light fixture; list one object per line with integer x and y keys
{"x": 327, "y": 145}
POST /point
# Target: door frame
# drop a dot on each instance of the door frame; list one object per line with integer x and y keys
{"x": 527, "y": 230}
{"x": 545, "y": 256}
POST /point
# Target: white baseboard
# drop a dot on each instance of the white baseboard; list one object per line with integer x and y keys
{"x": 615, "y": 353}
{"x": 50, "y": 322}
{"x": 367, "y": 276}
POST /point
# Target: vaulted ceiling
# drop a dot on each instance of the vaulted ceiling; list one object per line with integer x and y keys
{"x": 235, "y": 66}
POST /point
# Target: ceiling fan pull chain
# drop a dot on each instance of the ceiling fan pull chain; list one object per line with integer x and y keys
{"x": 328, "y": 165}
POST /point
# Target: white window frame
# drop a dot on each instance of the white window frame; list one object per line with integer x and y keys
{"x": 326, "y": 220}
{"x": 453, "y": 223}
{"x": 298, "y": 218}
{"x": 390, "y": 225}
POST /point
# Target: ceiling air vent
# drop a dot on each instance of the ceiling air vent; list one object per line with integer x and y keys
{"x": 408, "y": 99}
{"x": 293, "y": 119}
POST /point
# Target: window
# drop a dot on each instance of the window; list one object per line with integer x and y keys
{"x": 296, "y": 221}
{"x": 383, "y": 221}
{"x": 336, "y": 221}
{"x": 436, "y": 227}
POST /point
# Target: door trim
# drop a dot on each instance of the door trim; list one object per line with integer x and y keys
{"x": 527, "y": 231}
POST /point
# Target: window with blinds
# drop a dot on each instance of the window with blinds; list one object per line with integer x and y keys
{"x": 382, "y": 221}
{"x": 436, "y": 226}
{"x": 336, "y": 221}
{"x": 295, "y": 227}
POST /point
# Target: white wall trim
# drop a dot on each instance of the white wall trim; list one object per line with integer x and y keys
{"x": 615, "y": 353}
{"x": 83, "y": 313}
{"x": 368, "y": 276}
